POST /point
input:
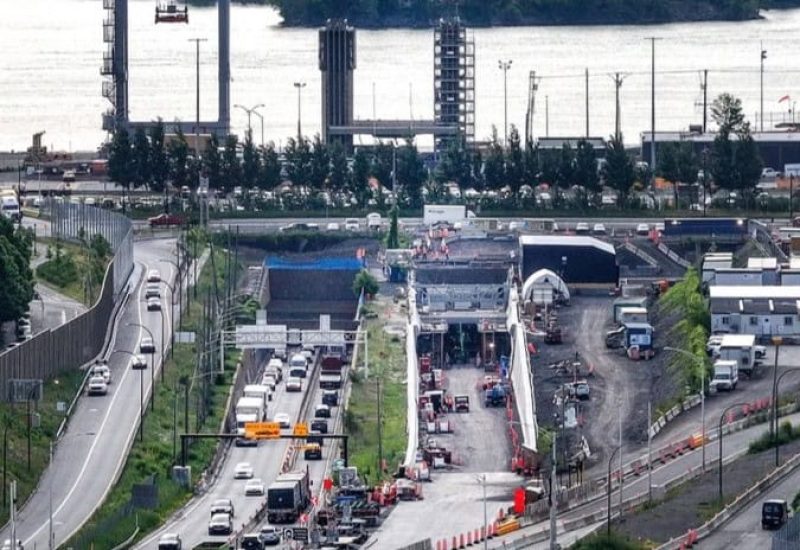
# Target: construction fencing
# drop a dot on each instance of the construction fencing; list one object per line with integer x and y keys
{"x": 788, "y": 536}
{"x": 79, "y": 340}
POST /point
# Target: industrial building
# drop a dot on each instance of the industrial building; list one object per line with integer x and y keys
{"x": 729, "y": 230}
{"x": 760, "y": 310}
{"x": 777, "y": 149}
{"x": 577, "y": 260}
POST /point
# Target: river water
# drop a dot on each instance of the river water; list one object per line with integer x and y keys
{"x": 50, "y": 54}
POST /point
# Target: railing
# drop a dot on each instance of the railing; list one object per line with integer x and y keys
{"x": 412, "y": 375}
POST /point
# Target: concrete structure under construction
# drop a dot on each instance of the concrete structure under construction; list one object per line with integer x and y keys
{"x": 337, "y": 61}
{"x": 115, "y": 69}
{"x": 453, "y": 80}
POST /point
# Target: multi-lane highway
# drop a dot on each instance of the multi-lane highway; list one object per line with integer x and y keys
{"x": 91, "y": 453}
{"x": 191, "y": 522}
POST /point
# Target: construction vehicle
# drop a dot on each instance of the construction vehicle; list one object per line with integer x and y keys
{"x": 553, "y": 334}
{"x": 615, "y": 338}
{"x": 495, "y": 396}
{"x": 461, "y": 403}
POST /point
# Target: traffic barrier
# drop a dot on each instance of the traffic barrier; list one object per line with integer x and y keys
{"x": 637, "y": 467}
{"x": 469, "y": 538}
{"x": 461, "y": 543}
{"x": 455, "y": 543}
{"x": 663, "y": 455}
{"x": 483, "y": 533}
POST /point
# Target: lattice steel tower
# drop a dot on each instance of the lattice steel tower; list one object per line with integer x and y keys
{"x": 454, "y": 80}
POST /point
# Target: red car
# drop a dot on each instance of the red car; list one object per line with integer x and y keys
{"x": 165, "y": 220}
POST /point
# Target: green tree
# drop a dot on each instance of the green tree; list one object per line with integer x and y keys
{"x": 393, "y": 236}
{"x": 454, "y": 166}
{"x": 298, "y": 161}
{"x": 531, "y": 163}
{"x": 735, "y": 161}
{"x": 120, "y": 159}
{"x": 178, "y": 154}
{"x": 727, "y": 112}
{"x": 16, "y": 292}
{"x": 159, "y": 162}
{"x": 515, "y": 163}
{"x": 212, "y": 164}
{"x": 548, "y": 166}
{"x": 365, "y": 281}
{"x": 141, "y": 159}
{"x": 339, "y": 170}
{"x": 566, "y": 166}
{"x": 320, "y": 164}
{"x": 476, "y": 170}
{"x": 382, "y": 164}
{"x": 250, "y": 162}
{"x": 618, "y": 169}
{"x": 269, "y": 175}
{"x": 359, "y": 179}
{"x": 494, "y": 169}
{"x": 677, "y": 163}
{"x": 231, "y": 167}
{"x": 586, "y": 167}
{"x": 411, "y": 173}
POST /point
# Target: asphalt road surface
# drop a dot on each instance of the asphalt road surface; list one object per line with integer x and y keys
{"x": 744, "y": 529}
{"x": 94, "y": 447}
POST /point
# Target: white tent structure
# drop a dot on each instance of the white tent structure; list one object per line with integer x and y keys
{"x": 544, "y": 278}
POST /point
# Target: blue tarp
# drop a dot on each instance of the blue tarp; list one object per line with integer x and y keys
{"x": 325, "y": 264}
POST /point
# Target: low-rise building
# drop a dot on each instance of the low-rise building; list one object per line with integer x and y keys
{"x": 760, "y": 310}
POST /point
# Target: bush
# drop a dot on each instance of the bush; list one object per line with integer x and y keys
{"x": 786, "y": 434}
{"x": 60, "y": 271}
{"x": 365, "y": 281}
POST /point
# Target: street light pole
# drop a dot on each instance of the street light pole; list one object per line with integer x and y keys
{"x": 775, "y": 412}
{"x": 719, "y": 434}
{"x": 299, "y": 86}
{"x": 773, "y": 425}
{"x": 505, "y": 66}
{"x": 763, "y": 58}
{"x": 252, "y": 111}
{"x": 141, "y": 392}
{"x": 652, "y": 40}
{"x": 197, "y": 42}
{"x": 608, "y": 489}
{"x": 152, "y": 361}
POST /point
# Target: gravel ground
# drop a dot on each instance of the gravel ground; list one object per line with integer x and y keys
{"x": 691, "y": 504}
{"x": 620, "y": 388}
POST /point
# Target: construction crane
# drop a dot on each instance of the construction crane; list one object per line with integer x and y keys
{"x": 170, "y": 12}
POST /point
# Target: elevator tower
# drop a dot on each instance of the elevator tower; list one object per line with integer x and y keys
{"x": 453, "y": 80}
{"x": 337, "y": 61}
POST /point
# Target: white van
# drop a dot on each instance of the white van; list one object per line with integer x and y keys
{"x": 374, "y": 220}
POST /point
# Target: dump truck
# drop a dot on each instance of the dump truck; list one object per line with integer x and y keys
{"x": 288, "y": 497}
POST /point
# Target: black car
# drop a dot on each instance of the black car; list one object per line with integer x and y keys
{"x": 320, "y": 426}
{"x": 330, "y": 398}
{"x": 251, "y": 542}
{"x": 774, "y": 513}
{"x": 322, "y": 411}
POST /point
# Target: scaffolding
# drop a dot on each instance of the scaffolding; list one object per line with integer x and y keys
{"x": 113, "y": 69}
{"x": 337, "y": 61}
{"x": 454, "y": 80}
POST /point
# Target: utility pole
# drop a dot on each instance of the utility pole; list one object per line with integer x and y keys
{"x": 380, "y": 430}
{"x": 532, "y": 87}
{"x": 299, "y": 86}
{"x": 618, "y": 79}
{"x": 587, "y": 102}
{"x": 547, "y": 116}
{"x": 621, "y": 477}
{"x": 200, "y": 197}
{"x": 704, "y": 85}
{"x": 763, "y": 58}
{"x": 649, "y": 452}
{"x": 652, "y": 40}
{"x": 13, "y": 512}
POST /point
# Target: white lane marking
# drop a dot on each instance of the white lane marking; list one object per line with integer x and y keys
{"x": 98, "y": 434}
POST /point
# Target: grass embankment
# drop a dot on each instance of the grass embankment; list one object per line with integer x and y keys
{"x": 387, "y": 368}
{"x": 151, "y": 460}
{"x": 75, "y": 270}
{"x": 60, "y": 389}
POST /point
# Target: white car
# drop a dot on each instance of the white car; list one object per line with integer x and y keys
{"x": 713, "y": 344}
{"x": 102, "y": 371}
{"x": 642, "y": 229}
{"x": 283, "y": 419}
{"x": 351, "y": 224}
{"x": 138, "y": 362}
{"x": 97, "y": 386}
{"x": 582, "y": 228}
{"x": 269, "y": 381}
{"x": 243, "y": 470}
{"x": 220, "y": 524}
{"x": 294, "y": 384}
{"x": 761, "y": 351}
{"x": 152, "y": 291}
{"x": 254, "y": 487}
{"x": 153, "y": 276}
{"x": 374, "y": 220}
{"x": 516, "y": 226}
{"x": 147, "y": 345}
{"x": 332, "y": 226}
{"x": 599, "y": 229}
{"x": 153, "y": 304}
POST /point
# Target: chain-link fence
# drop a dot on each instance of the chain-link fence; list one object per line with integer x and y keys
{"x": 788, "y": 537}
{"x": 76, "y": 342}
